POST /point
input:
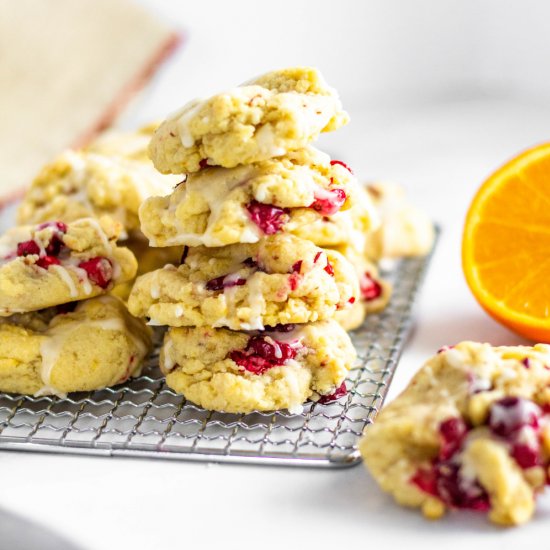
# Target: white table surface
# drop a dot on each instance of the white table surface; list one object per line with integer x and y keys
{"x": 441, "y": 153}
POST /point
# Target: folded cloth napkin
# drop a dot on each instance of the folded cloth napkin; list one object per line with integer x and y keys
{"x": 67, "y": 68}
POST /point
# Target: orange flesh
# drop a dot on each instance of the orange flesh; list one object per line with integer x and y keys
{"x": 506, "y": 244}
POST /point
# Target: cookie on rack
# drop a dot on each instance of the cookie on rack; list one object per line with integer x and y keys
{"x": 471, "y": 431}
{"x": 404, "y": 230}
{"x": 54, "y": 263}
{"x": 81, "y": 346}
{"x": 79, "y": 184}
{"x": 264, "y": 118}
{"x": 218, "y": 207}
{"x": 280, "y": 279}
{"x": 239, "y": 372}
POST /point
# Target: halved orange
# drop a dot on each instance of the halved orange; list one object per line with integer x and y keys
{"x": 506, "y": 244}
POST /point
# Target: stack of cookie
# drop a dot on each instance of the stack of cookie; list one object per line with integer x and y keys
{"x": 59, "y": 329}
{"x": 266, "y": 222}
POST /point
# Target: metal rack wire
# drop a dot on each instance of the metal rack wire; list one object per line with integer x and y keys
{"x": 144, "y": 418}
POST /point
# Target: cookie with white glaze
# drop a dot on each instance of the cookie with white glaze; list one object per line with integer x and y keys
{"x": 264, "y": 118}
{"x": 83, "y": 346}
{"x": 218, "y": 206}
{"x": 241, "y": 372}
{"x": 471, "y": 431}
{"x": 54, "y": 263}
{"x": 280, "y": 279}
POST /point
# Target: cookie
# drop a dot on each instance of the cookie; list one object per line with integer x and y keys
{"x": 470, "y": 431}
{"x": 54, "y": 263}
{"x": 280, "y": 279}
{"x": 241, "y": 372}
{"x": 57, "y": 351}
{"x": 374, "y": 291}
{"x": 219, "y": 206}
{"x": 264, "y": 118}
{"x": 80, "y": 184}
{"x": 404, "y": 230}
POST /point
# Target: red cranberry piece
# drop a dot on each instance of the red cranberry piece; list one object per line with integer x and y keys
{"x": 276, "y": 352}
{"x": 203, "y": 163}
{"x": 525, "y": 362}
{"x": 220, "y": 283}
{"x": 317, "y": 256}
{"x": 333, "y": 162}
{"x": 261, "y": 355}
{"x": 251, "y": 363}
{"x": 270, "y": 219}
{"x": 297, "y": 266}
{"x": 509, "y": 414}
{"x": 54, "y": 246}
{"x": 294, "y": 280}
{"x": 452, "y": 432}
{"x": 370, "y": 288}
{"x": 99, "y": 270}
{"x": 352, "y": 300}
{"x": 329, "y": 202}
{"x": 27, "y": 247}
{"x": 525, "y": 455}
{"x": 339, "y": 392}
{"x": 47, "y": 261}
{"x": 329, "y": 269}
{"x": 425, "y": 480}
{"x": 457, "y": 492}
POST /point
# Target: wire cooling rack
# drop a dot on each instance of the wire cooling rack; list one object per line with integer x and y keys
{"x": 144, "y": 418}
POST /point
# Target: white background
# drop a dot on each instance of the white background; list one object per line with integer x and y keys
{"x": 440, "y": 93}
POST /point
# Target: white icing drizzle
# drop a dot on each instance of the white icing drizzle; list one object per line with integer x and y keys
{"x": 57, "y": 336}
{"x": 257, "y": 303}
{"x": 67, "y": 279}
{"x": 266, "y": 141}
{"x": 214, "y": 190}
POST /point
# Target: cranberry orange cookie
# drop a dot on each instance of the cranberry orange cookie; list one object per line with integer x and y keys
{"x": 404, "y": 230}
{"x": 470, "y": 431}
{"x": 217, "y": 206}
{"x": 54, "y": 263}
{"x": 78, "y": 184}
{"x": 239, "y": 372}
{"x": 279, "y": 280}
{"x": 267, "y": 117}
{"x": 56, "y": 350}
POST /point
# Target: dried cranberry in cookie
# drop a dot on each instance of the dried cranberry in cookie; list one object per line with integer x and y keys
{"x": 54, "y": 263}
{"x": 241, "y": 372}
{"x": 279, "y": 280}
{"x": 472, "y": 431}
